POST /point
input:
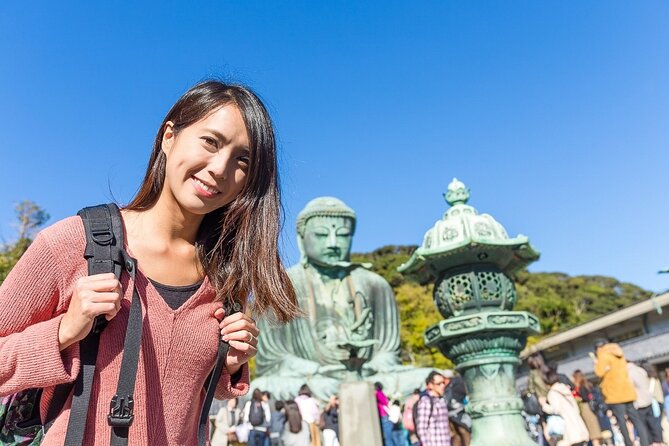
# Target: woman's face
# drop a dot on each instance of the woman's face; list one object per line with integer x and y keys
{"x": 207, "y": 162}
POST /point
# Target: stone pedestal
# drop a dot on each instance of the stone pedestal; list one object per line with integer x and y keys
{"x": 485, "y": 348}
{"x": 359, "y": 422}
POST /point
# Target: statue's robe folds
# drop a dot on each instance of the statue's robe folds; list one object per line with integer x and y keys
{"x": 356, "y": 307}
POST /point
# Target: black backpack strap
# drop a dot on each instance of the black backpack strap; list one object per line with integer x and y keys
{"x": 212, "y": 380}
{"x": 104, "y": 253}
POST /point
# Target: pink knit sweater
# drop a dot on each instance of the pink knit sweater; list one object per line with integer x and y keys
{"x": 178, "y": 347}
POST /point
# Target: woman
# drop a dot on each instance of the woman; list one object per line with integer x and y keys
{"x": 382, "y": 407}
{"x": 537, "y": 387}
{"x": 330, "y": 422}
{"x": 584, "y": 390}
{"x": 654, "y": 417}
{"x": 226, "y": 420}
{"x": 257, "y": 412}
{"x": 560, "y": 401}
{"x": 203, "y": 229}
{"x": 536, "y": 380}
{"x": 296, "y": 432}
{"x": 310, "y": 412}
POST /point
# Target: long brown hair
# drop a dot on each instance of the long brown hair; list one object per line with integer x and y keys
{"x": 293, "y": 417}
{"x": 237, "y": 244}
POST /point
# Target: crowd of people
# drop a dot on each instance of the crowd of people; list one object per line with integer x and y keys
{"x": 626, "y": 408}
{"x": 433, "y": 416}
{"x": 263, "y": 421}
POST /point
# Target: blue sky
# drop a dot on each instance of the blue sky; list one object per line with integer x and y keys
{"x": 555, "y": 114}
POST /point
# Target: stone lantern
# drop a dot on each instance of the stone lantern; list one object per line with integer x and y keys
{"x": 472, "y": 261}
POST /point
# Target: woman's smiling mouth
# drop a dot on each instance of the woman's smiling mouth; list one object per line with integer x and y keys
{"x": 203, "y": 188}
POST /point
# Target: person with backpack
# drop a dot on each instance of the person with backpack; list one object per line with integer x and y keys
{"x": 408, "y": 418}
{"x": 431, "y": 413}
{"x": 200, "y": 236}
{"x": 257, "y": 413}
{"x": 276, "y": 423}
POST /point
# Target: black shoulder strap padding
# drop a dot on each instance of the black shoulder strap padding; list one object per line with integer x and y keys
{"x": 104, "y": 254}
{"x": 212, "y": 380}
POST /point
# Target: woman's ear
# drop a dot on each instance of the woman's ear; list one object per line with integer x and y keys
{"x": 168, "y": 137}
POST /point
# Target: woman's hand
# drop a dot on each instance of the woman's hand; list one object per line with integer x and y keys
{"x": 93, "y": 296}
{"x": 240, "y": 331}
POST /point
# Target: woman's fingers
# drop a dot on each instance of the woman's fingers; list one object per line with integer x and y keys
{"x": 242, "y": 336}
{"x": 237, "y": 322}
{"x": 243, "y": 347}
{"x": 219, "y": 314}
{"x": 110, "y": 296}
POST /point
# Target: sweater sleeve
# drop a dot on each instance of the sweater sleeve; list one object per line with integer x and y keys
{"x": 29, "y": 299}
{"x": 226, "y": 389}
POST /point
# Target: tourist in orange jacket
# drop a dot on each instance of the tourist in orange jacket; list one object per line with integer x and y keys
{"x": 617, "y": 388}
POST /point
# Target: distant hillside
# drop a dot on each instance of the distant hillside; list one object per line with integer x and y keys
{"x": 560, "y": 301}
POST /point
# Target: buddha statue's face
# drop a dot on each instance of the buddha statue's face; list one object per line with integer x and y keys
{"x": 327, "y": 240}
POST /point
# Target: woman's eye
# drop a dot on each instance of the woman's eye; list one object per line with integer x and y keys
{"x": 209, "y": 141}
{"x": 245, "y": 160}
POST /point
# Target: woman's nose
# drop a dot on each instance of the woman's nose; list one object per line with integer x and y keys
{"x": 220, "y": 164}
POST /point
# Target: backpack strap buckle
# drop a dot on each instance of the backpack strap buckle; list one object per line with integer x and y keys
{"x": 121, "y": 411}
{"x": 101, "y": 232}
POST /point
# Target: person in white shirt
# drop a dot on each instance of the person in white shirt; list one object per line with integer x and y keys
{"x": 310, "y": 413}
{"x": 644, "y": 401}
{"x": 258, "y": 414}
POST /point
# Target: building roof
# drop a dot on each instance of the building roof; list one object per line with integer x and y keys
{"x": 599, "y": 324}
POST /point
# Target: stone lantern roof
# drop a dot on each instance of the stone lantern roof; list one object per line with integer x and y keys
{"x": 462, "y": 237}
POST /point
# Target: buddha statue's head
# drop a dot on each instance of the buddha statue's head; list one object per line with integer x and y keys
{"x": 325, "y": 230}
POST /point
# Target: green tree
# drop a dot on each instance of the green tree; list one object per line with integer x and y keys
{"x": 29, "y": 217}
